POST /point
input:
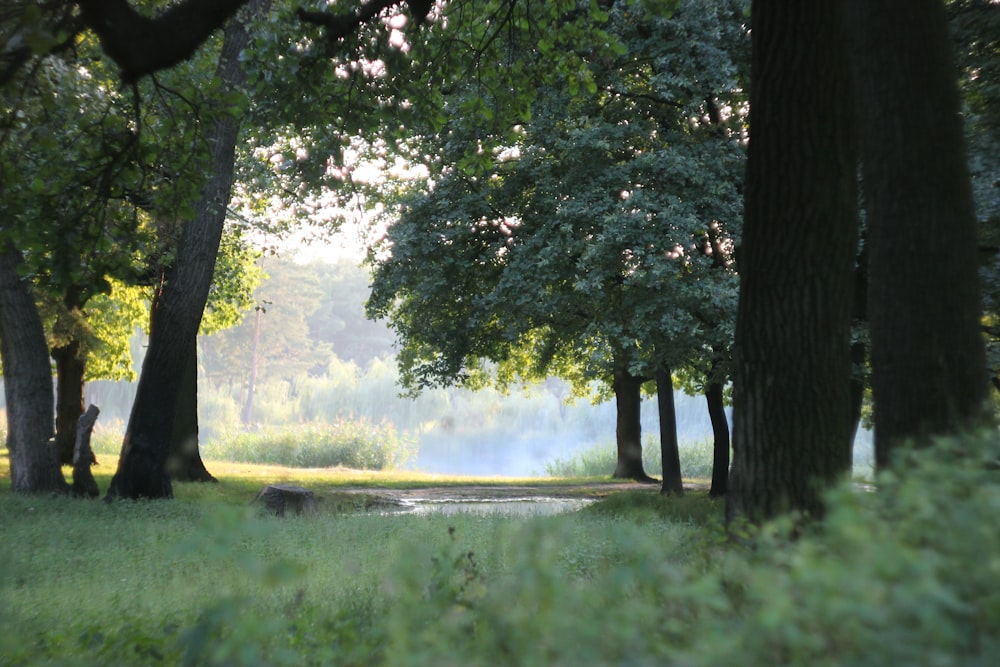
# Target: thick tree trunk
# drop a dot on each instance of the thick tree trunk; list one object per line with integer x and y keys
{"x": 628, "y": 427}
{"x": 791, "y": 416}
{"x": 184, "y": 463}
{"x": 142, "y": 467}
{"x": 927, "y": 353}
{"x": 71, "y": 365}
{"x": 670, "y": 454}
{"x": 720, "y": 438}
{"x": 34, "y": 464}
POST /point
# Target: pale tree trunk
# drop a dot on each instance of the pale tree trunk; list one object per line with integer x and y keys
{"x": 791, "y": 432}
{"x": 142, "y": 467}
{"x": 247, "y": 416}
{"x": 34, "y": 463}
{"x": 928, "y": 362}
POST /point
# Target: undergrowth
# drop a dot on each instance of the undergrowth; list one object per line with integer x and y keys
{"x": 905, "y": 575}
{"x": 599, "y": 460}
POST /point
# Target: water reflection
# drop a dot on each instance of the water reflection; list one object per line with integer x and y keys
{"x": 520, "y": 507}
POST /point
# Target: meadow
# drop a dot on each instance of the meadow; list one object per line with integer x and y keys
{"x": 905, "y": 575}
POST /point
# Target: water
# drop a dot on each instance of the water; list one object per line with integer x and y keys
{"x": 517, "y": 507}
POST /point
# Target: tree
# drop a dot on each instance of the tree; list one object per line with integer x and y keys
{"x": 34, "y": 466}
{"x": 291, "y": 294}
{"x": 793, "y": 360}
{"x": 791, "y": 404}
{"x": 975, "y": 27}
{"x": 142, "y": 467}
{"x": 138, "y": 44}
{"x": 577, "y": 235}
{"x": 924, "y": 308}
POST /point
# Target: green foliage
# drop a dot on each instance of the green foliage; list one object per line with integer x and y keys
{"x": 599, "y": 230}
{"x": 352, "y": 444}
{"x": 902, "y": 575}
{"x": 599, "y": 460}
{"x": 697, "y": 508}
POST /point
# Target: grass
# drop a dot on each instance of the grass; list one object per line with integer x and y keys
{"x": 904, "y": 575}
{"x": 136, "y": 582}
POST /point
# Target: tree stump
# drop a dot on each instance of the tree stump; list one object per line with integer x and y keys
{"x": 83, "y": 479}
{"x": 277, "y": 499}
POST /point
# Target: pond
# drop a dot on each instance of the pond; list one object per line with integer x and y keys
{"x": 520, "y": 507}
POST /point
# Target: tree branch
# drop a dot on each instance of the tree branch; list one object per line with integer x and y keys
{"x": 140, "y": 45}
{"x": 340, "y": 26}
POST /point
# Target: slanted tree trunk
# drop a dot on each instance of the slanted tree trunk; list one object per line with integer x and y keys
{"x": 184, "y": 463}
{"x": 71, "y": 365}
{"x": 927, "y": 353}
{"x": 791, "y": 432}
{"x": 84, "y": 484}
{"x": 715, "y": 399}
{"x": 34, "y": 463}
{"x": 142, "y": 466}
{"x": 670, "y": 454}
{"x": 628, "y": 427}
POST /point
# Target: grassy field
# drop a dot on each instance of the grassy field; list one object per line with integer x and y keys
{"x": 906, "y": 575}
{"x": 139, "y": 583}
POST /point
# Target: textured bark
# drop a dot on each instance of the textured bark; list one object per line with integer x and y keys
{"x": 720, "y": 439}
{"x": 628, "y": 427}
{"x": 34, "y": 464}
{"x": 926, "y": 350}
{"x": 184, "y": 463}
{"x": 792, "y": 348}
{"x": 142, "y": 467}
{"x": 670, "y": 454}
{"x": 84, "y": 484}
{"x": 70, "y": 368}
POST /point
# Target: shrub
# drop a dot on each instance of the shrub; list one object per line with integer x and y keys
{"x": 353, "y": 444}
{"x": 600, "y": 460}
{"x": 904, "y": 576}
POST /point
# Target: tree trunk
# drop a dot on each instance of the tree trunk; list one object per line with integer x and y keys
{"x": 142, "y": 469}
{"x": 34, "y": 463}
{"x": 670, "y": 454}
{"x": 84, "y": 485}
{"x": 720, "y": 438}
{"x": 628, "y": 427}
{"x": 927, "y": 353}
{"x": 791, "y": 407}
{"x": 246, "y": 418}
{"x": 184, "y": 463}
{"x": 71, "y": 365}
{"x": 859, "y": 350}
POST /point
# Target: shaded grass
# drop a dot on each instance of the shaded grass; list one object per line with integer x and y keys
{"x": 239, "y": 482}
{"x": 133, "y": 582}
{"x": 694, "y": 507}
